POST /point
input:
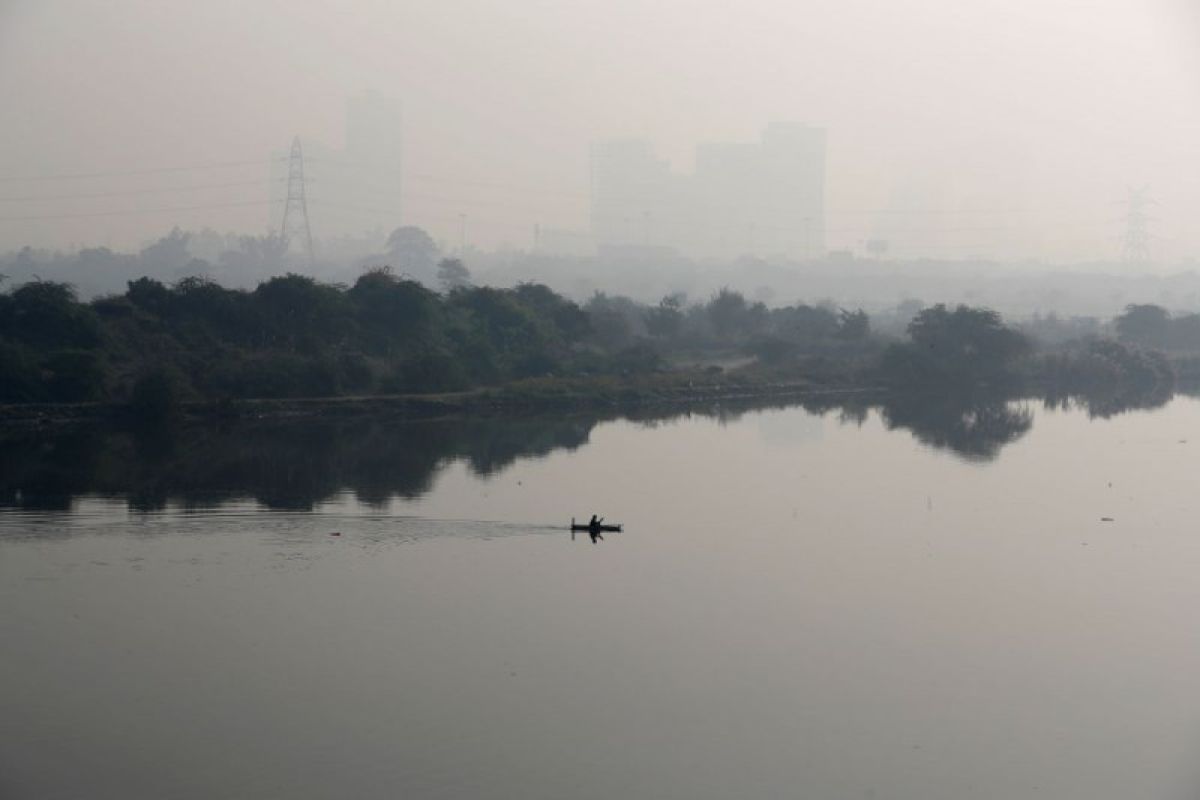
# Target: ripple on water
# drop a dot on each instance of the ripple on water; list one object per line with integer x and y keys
{"x": 112, "y": 516}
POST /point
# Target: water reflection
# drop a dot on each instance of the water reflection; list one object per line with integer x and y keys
{"x": 1115, "y": 400}
{"x": 294, "y": 466}
{"x": 975, "y": 428}
{"x": 282, "y": 466}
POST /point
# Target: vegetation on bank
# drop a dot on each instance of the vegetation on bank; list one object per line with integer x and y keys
{"x": 295, "y": 337}
{"x": 156, "y": 346}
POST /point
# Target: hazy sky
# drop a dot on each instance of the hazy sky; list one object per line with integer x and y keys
{"x": 1006, "y": 128}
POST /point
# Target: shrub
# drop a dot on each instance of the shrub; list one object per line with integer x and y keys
{"x": 429, "y": 372}
{"x": 157, "y": 394}
{"x": 73, "y": 376}
{"x": 20, "y": 381}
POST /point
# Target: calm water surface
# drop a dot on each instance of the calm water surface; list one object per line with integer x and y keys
{"x": 801, "y": 605}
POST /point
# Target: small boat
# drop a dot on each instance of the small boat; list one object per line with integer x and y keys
{"x": 602, "y": 528}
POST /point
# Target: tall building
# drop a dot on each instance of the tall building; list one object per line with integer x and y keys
{"x": 358, "y": 187}
{"x": 373, "y": 130}
{"x": 632, "y": 195}
{"x": 764, "y": 198}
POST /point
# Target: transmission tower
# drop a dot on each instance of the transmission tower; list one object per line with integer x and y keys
{"x": 1136, "y": 251}
{"x": 295, "y": 209}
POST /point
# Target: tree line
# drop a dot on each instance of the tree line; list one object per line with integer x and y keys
{"x": 294, "y": 336}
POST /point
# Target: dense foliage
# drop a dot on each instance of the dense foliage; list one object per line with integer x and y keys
{"x": 293, "y": 336}
{"x": 156, "y": 345}
{"x": 963, "y": 345}
{"x": 1152, "y": 326}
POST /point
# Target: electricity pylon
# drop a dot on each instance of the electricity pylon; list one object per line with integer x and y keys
{"x": 1136, "y": 251}
{"x": 295, "y": 209}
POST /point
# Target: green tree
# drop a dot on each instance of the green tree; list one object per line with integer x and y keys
{"x": 966, "y": 336}
{"x": 1145, "y": 325}
{"x": 169, "y": 254}
{"x": 728, "y": 313}
{"x": 47, "y": 315}
{"x": 808, "y": 324}
{"x": 571, "y": 323}
{"x": 854, "y": 325}
{"x": 413, "y": 251}
{"x": 966, "y": 345}
{"x": 393, "y": 314}
{"x": 157, "y": 394}
{"x": 664, "y": 320}
{"x": 453, "y": 274}
{"x": 20, "y": 380}
{"x": 297, "y": 312}
{"x": 73, "y": 376}
{"x": 149, "y": 294}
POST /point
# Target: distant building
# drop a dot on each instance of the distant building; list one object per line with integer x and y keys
{"x": 765, "y": 198}
{"x": 358, "y": 187}
{"x": 633, "y": 195}
{"x": 563, "y": 242}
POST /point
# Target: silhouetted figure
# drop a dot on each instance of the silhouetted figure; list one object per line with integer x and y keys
{"x": 594, "y": 527}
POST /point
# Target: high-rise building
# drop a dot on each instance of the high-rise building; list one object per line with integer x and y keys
{"x": 632, "y": 194}
{"x": 373, "y": 130}
{"x": 764, "y": 198}
{"x": 358, "y": 187}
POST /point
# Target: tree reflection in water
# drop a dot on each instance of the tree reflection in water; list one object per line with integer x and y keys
{"x": 296, "y": 465}
{"x": 286, "y": 466}
{"x": 1109, "y": 403}
{"x": 972, "y": 427}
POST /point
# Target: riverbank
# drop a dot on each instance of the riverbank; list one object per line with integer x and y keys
{"x": 529, "y": 396}
{"x": 676, "y": 388}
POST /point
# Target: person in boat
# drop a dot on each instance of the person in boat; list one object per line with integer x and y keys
{"x": 594, "y": 528}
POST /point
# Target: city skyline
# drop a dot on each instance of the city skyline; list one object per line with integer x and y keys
{"x": 760, "y": 198}
{"x": 360, "y": 187}
{"x": 1025, "y": 150}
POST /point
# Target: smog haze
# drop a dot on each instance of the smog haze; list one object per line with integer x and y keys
{"x": 987, "y": 129}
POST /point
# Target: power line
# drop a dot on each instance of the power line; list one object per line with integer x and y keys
{"x": 373, "y": 167}
{"x": 321, "y": 202}
{"x": 134, "y": 212}
{"x": 125, "y": 172}
{"x": 132, "y": 192}
{"x": 495, "y": 221}
{"x": 403, "y": 177}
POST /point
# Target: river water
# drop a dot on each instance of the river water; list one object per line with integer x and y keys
{"x": 837, "y": 603}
